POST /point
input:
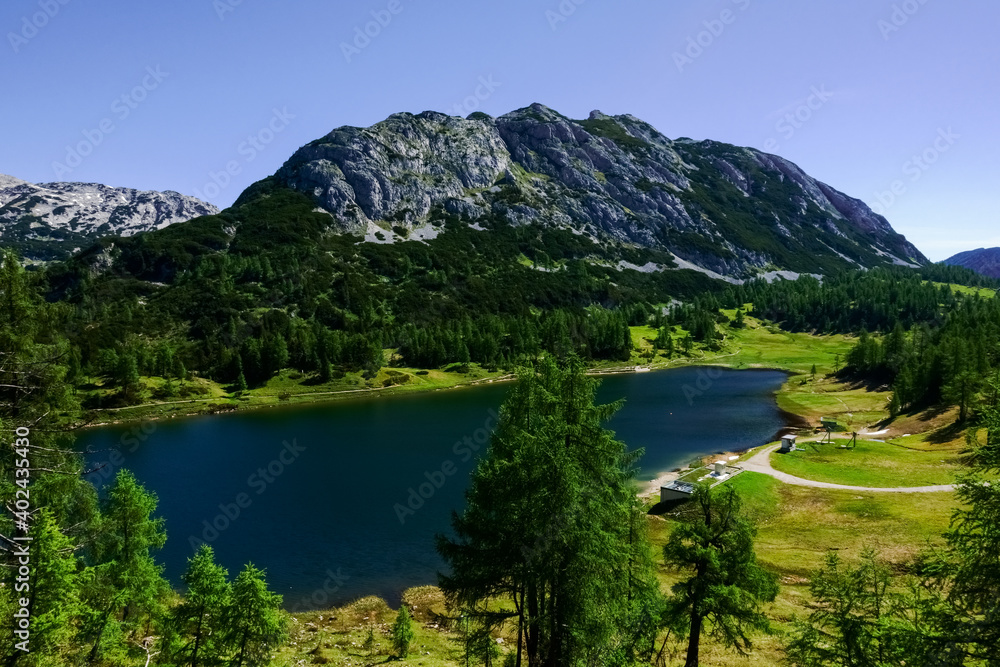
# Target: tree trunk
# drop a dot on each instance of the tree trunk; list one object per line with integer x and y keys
{"x": 554, "y": 648}
{"x": 197, "y": 638}
{"x": 532, "y": 625}
{"x": 693, "y": 640}
{"x": 243, "y": 649}
{"x": 100, "y": 634}
{"x": 520, "y": 629}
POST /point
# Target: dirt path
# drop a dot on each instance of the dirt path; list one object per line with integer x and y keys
{"x": 761, "y": 462}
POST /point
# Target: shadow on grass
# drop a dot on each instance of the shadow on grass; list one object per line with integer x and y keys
{"x": 946, "y": 434}
{"x": 874, "y": 382}
{"x": 666, "y": 506}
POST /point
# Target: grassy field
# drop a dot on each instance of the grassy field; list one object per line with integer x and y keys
{"x": 201, "y": 396}
{"x": 797, "y": 526}
{"x": 759, "y": 346}
{"x": 338, "y": 636}
{"x": 984, "y": 292}
{"x": 869, "y": 463}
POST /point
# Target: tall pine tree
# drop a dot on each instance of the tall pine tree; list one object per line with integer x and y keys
{"x": 553, "y": 526}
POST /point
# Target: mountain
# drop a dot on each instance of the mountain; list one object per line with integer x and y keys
{"x": 51, "y": 220}
{"x": 725, "y": 209}
{"x": 463, "y": 240}
{"x": 985, "y": 261}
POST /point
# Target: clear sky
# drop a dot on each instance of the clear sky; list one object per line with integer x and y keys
{"x": 164, "y": 95}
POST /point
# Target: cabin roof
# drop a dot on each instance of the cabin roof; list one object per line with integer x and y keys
{"x": 683, "y": 487}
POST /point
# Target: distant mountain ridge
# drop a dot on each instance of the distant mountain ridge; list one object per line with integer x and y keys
{"x": 729, "y": 210}
{"x": 984, "y": 260}
{"x": 50, "y": 220}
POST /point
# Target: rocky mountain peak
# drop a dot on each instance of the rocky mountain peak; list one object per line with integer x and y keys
{"x": 49, "y": 220}
{"x": 732, "y": 210}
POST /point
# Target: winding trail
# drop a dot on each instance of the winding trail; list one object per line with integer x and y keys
{"x": 761, "y": 462}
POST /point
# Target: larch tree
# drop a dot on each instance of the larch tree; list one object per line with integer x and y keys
{"x": 199, "y": 618}
{"x": 254, "y": 624}
{"x": 856, "y": 618}
{"x": 725, "y": 589}
{"x": 552, "y": 525}
{"x": 128, "y": 587}
{"x": 33, "y": 396}
{"x": 402, "y": 632}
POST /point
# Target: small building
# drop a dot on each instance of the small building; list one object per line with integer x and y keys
{"x": 787, "y": 443}
{"x": 675, "y": 490}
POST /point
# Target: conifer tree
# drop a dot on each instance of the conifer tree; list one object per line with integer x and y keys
{"x": 402, "y": 632}
{"x": 53, "y": 593}
{"x": 726, "y": 588}
{"x": 127, "y": 586}
{"x": 856, "y": 618}
{"x": 254, "y": 624}
{"x": 580, "y": 577}
{"x": 199, "y": 617}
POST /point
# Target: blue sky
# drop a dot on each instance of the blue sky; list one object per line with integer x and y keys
{"x": 891, "y": 101}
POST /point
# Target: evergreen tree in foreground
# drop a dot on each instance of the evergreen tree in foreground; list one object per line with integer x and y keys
{"x": 726, "y": 587}
{"x": 971, "y": 625}
{"x": 126, "y": 587}
{"x": 857, "y": 618}
{"x": 53, "y": 593}
{"x": 199, "y": 617}
{"x": 402, "y": 632}
{"x": 553, "y": 528}
{"x": 254, "y": 624}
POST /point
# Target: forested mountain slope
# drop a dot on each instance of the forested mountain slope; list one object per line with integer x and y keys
{"x": 451, "y": 239}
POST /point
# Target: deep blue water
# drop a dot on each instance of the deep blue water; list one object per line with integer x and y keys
{"x": 316, "y": 488}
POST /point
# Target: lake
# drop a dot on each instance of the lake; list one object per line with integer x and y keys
{"x": 342, "y": 500}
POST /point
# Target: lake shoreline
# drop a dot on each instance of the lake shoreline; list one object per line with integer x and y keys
{"x": 413, "y": 441}
{"x": 649, "y": 488}
{"x": 306, "y": 398}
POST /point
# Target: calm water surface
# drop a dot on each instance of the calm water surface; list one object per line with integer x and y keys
{"x": 316, "y": 488}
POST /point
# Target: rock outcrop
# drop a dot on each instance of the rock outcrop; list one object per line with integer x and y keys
{"x": 736, "y": 211}
{"x": 50, "y": 220}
